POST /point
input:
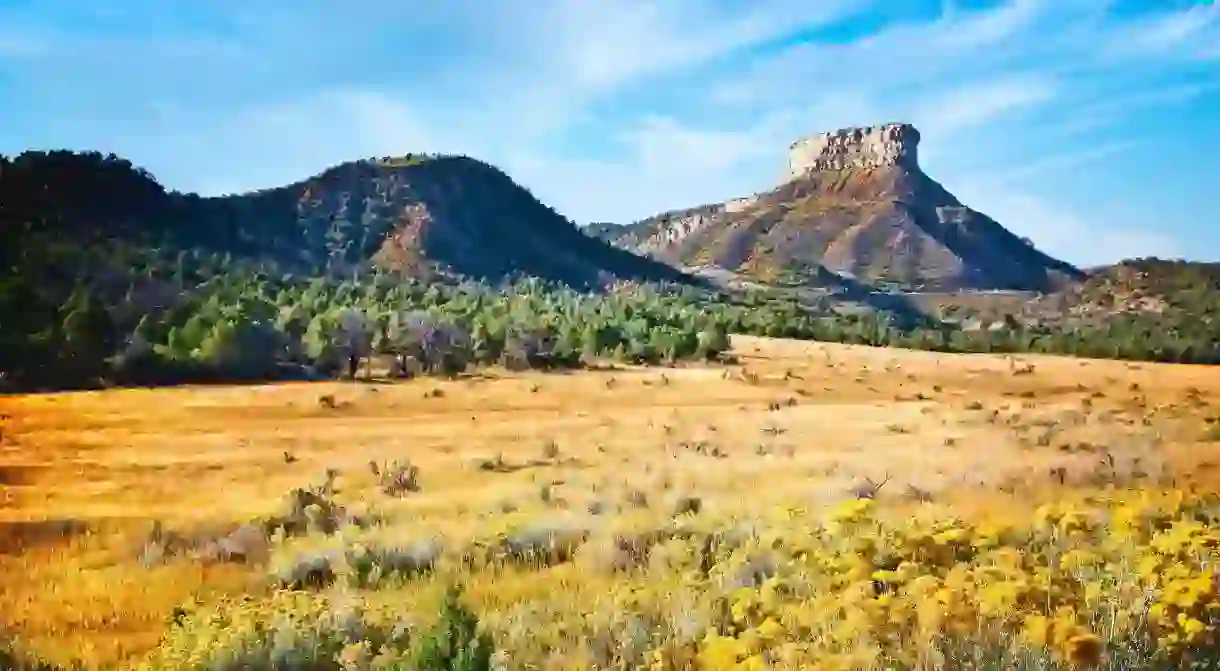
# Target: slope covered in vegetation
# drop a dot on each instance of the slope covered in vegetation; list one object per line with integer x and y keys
{"x": 106, "y": 276}
{"x": 421, "y": 215}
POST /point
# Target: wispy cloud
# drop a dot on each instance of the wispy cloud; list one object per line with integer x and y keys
{"x": 1058, "y": 162}
{"x": 1065, "y": 231}
{"x": 19, "y": 46}
{"x": 1190, "y": 33}
{"x": 595, "y": 49}
{"x": 606, "y": 44}
{"x": 957, "y": 30}
{"x": 966, "y": 107}
{"x": 374, "y": 124}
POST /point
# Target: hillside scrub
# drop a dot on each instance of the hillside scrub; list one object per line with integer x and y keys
{"x": 1120, "y": 581}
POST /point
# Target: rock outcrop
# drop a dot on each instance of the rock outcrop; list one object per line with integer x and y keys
{"x": 866, "y": 148}
{"x": 854, "y": 202}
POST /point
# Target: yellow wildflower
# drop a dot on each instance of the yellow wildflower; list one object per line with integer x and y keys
{"x": 770, "y": 629}
{"x": 1037, "y": 630}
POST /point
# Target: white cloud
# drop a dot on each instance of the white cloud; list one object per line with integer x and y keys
{"x": 666, "y": 165}
{"x": 21, "y": 46}
{"x": 980, "y": 103}
{"x": 594, "y": 48}
{"x": 1062, "y": 161}
{"x": 664, "y": 147}
{"x": 604, "y": 43}
{"x": 898, "y": 56}
{"x": 1190, "y": 33}
{"x": 1065, "y": 233}
{"x": 291, "y": 140}
{"x": 973, "y": 30}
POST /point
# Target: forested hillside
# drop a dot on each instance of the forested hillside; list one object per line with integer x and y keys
{"x": 109, "y": 278}
{"x": 94, "y": 245}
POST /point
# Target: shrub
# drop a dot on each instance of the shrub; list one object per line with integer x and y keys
{"x": 455, "y": 643}
{"x": 366, "y": 565}
{"x": 398, "y": 478}
{"x": 290, "y": 631}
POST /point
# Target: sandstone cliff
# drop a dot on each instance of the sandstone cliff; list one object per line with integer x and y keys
{"x": 855, "y": 202}
{"x": 855, "y": 149}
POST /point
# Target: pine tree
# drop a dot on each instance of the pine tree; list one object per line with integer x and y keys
{"x": 87, "y": 332}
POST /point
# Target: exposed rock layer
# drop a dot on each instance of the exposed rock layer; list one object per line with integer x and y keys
{"x": 855, "y": 149}
{"x": 854, "y": 202}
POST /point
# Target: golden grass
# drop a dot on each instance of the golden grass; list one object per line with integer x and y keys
{"x": 83, "y": 474}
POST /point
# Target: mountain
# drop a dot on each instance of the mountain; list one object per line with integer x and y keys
{"x": 856, "y": 202}
{"x": 420, "y": 215}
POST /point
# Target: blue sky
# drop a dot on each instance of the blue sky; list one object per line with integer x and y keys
{"x": 1091, "y": 126}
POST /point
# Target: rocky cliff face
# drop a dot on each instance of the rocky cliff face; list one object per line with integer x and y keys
{"x": 855, "y": 149}
{"x": 853, "y": 201}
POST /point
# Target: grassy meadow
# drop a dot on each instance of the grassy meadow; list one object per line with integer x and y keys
{"x": 810, "y": 506}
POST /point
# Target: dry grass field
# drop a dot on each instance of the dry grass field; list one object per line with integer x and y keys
{"x": 84, "y": 476}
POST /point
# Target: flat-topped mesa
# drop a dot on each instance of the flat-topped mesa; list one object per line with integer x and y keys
{"x": 855, "y": 148}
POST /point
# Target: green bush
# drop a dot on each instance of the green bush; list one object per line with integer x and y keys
{"x": 455, "y": 642}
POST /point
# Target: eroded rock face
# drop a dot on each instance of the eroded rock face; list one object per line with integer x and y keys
{"x": 678, "y": 230}
{"x": 853, "y": 203}
{"x": 855, "y": 148}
